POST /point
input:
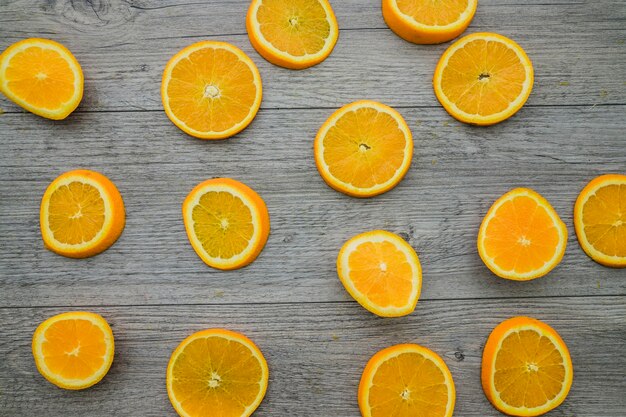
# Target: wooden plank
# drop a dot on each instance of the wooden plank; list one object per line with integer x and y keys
{"x": 316, "y": 353}
{"x": 457, "y": 172}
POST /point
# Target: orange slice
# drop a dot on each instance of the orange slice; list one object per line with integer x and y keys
{"x": 227, "y": 223}
{"x": 382, "y": 272}
{"x": 483, "y": 78}
{"x": 521, "y": 237}
{"x": 293, "y": 34}
{"x": 600, "y": 220}
{"x": 406, "y": 380}
{"x": 81, "y": 215}
{"x": 427, "y": 21}
{"x": 73, "y": 350}
{"x": 526, "y": 369}
{"x": 216, "y": 371}
{"x": 211, "y": 90}
{"x": 363, "y": 149}
{"x": 41, "y": 76}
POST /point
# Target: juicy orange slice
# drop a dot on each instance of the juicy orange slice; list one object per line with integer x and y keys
{"x": 427, "y": 21}
{"x": 406, "y": 380}
{"x": 363, "y": 149}
{"x": 483, "y": 78}
{"x": 526, "y": 369}
{"x": 211, "y": 90}
{"x": 227, "y": 223}
{"x": 600, "y": 220}
{"x": 293, "y": 34}
{"x": 82, "y": 214}
{"x": 73, "y": 350}
{"x": 382, "y": 272}
{"x": 216, "y": 371}
{"x": 42, "y": 76}
{"x": 521, "y": 237}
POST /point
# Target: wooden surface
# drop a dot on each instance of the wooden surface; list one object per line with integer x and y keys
{"x": 154, "y": 290}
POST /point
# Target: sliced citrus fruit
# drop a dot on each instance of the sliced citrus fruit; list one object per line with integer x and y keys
{"x": 406, "y": 380}
{"x": 600, "y": 220}
{"x": 216, "y": 371}
{"x": 73, "y": 350}
{"x": 293, "y": 34}
{"x": 363, "y": 149}
{"x": 382, "y": 272}
{"x": 227, "y": 223}
{"x": 526, "y": 369}
{"x": 211, "y": 90}
{"x": 483, "y": 78}
{"x": 82, "y": 214}
{"x": 427, "y": 21}
{"x": 41, "y": 76}
{"x": 521, "y": 237}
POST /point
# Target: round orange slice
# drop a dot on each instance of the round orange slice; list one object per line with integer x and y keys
{"x": 216, "y": 371}
{"x": 227, "y": 223}
{"x": 81, "y": 215}
{"x": 41, "y": 76}
{"x": 363, "y": 149}
{"x": 521, "y": 237}
{"x": 600, "y": 220}
{"x": 293, "y": 34}
{"x": 211, "y": 90}
{"x": 73, "y": 350}
{"x": 483, "y": 78}
{"x": 382, "y": 272}
{"x": 406, "y": 380}
{"x": 427, "y": 21}
{"x": 526, "y": 367}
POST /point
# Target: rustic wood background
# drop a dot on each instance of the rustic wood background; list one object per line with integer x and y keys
{"x": 154, "y": 290}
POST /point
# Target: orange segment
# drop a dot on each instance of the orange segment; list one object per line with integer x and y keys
{"x": 211, "y": 90}
{"x": 216, "y": 369}
{"x": 521, "y": 237}
{"x": 406, "y": 380}
{"x": 363, "y": 149}
{"x": 600, "y": 220}
{"x": 483, "y": 78}
{"x": 73, "y": 350}
{"x": 227, "y": 223}
{"x": 82, "y": 214}
{"x": 381, "y": 272}
{"x": 526, "y": 369}
{"x": 293, "y": 34}
{"x": 42, "y": 76}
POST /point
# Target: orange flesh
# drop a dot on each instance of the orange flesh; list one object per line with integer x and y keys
{"x": 214, "y": 373}
{"x": 408, "y": 385}
{"x": 521, "y": 236}
{"x": 297, "y": 27}
{"x": 364, "y": 148}
{"x": 604, "y": 217}
{"x": 433, "y": 13}
{"x": 75, "y": 213}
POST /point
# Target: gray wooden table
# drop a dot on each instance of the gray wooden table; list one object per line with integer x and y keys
{"x": 154, "y": 290}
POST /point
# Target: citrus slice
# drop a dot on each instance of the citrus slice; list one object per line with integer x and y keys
{"x": 211, "y": 90}
{"x": 526, "y": 369}
{"x": 227, "y": 223}
{"x": 363, "y": 149}
{"x": 427, "y": 21}
{"x": 521, "y": 237}
{"x": 382, "y": 272}
{"x": 600, "y": 220}
{"x": 73, "y": 350}
{"x": 406, "y": 380}
{"x": 483, "y": 78}
{"x": 82, "y": 214}
{"x": 41, "y": 76}
{"x": 216, "y": 371}
{"x": 293, "y": 34}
